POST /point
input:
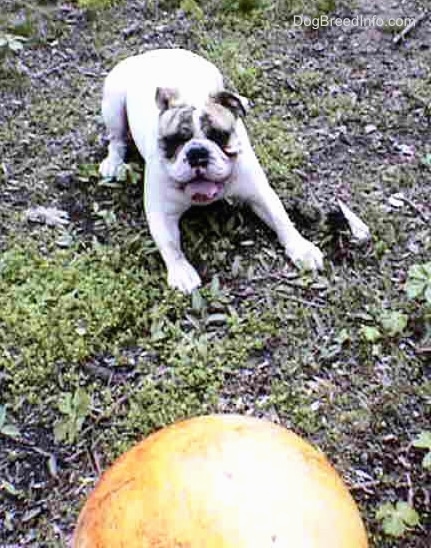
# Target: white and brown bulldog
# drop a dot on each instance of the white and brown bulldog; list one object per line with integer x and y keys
{"x": 188, "y": 129}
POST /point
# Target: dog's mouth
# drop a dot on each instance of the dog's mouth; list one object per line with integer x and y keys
{"x": 202, "y": 191}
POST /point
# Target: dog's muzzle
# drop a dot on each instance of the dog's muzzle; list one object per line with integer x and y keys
{"x": 197, "y": 156}
{"x": 201, "y": 170}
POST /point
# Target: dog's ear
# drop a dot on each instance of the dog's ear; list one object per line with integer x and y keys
{"x": 165, "y": 97}
{"x": 237, "y": 104}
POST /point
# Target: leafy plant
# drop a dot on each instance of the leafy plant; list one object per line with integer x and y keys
{"x": 75, "y": 409}
{"x": 6, "y": 428}
{"x": 370, "y": 333}
{"x": 243, "y": 6}
{"x": 390, "y": 323}
{"x": 423, "y": 441}
{"x": 397, "y": 518}
{"x": 393, "y": 322}
{"x": 11, "y": 42}
{"x": 94, "y": 4}
{"x": 192, "y": 8}
{"x": 418, "y": 284}
{"x": 106, "y": 214}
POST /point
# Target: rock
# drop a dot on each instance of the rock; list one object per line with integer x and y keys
{"x": 65, "y": 240}
{"x": 396, "y": 200}
{"x": 64, "y": 180}
{"x": 370, "y": 128}
{"x": 405, "y": 150}
{"x": 50, "y": 216}
{"x": 357, "y": 227}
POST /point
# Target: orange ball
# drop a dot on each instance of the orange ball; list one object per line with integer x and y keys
{"x": 221, "y": 481}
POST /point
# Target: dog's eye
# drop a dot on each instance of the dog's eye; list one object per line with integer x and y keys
{"x": 219, "y": 136}
{"x": 171, "y": 143}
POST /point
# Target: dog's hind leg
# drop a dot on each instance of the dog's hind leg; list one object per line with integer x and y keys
{"x": 115, "y": 118}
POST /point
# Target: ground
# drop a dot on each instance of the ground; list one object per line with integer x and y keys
{"x": 97, "y": 352}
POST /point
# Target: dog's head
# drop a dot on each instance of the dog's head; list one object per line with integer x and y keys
{"x": 199, "y": 146}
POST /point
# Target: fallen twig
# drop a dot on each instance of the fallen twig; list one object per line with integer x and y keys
{"x": 293, "y": 298}
{"x": 293, "y": 281}
{"x": 410, "y": 493}
{"x": 413, "y": 206}
{"x": 397, "y": 39}
{"x": 423, "y": 351}
{"x": 70, "y": 66}
{"x": 364, "y": 486}
{"x": 50, "y": 70}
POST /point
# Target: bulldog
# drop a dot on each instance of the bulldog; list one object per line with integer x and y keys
{"x": 189, "y": 130}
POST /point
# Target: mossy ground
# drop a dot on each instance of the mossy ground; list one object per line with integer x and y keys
{"x": 261, "y": 338}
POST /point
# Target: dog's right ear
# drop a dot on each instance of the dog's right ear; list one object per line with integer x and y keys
{"x": 165, "y": 97}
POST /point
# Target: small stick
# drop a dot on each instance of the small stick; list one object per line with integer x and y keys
{"x": 411, "y": 493}
{"x": 424, "y": 351}
{"x": 295, "y": 299}
{"x": 413, "y": 206}
{"x": 50, "y": 70}
{"x": 397, "y": 39}
{"x": 365, "y": 486}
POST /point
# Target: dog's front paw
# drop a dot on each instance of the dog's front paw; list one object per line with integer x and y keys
{"x": 305, "y": 254}
{"x": 111, "y": 168}
{"x": 183, "y": 276}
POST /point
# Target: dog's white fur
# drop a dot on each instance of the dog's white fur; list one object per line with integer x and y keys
{"x": 129, "y": 104}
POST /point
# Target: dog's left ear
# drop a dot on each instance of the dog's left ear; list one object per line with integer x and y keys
{"x": 237, "y": 104}
{"x": 165, "y": 97}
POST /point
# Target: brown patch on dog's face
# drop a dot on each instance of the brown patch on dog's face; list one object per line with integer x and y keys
{"x": 166, "y": 98}
{"x": 217, "y": 123}
{"x": 175, "y": 129}
{"x": 236, "y": 104}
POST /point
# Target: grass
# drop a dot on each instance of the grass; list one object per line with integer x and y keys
{"x": 62, "y": 311}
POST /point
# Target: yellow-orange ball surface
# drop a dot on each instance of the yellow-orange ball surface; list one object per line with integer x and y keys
{"x": 221, "y": 481}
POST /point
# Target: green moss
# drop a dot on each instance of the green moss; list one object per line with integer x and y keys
{"x": 313, "y": 8}
{"x": 192, "y": 8}
{"x": 279, "y": 149}
{"x": 67, "y": 308}
{"x": 61, "y": 311}
{"x": 307, "y": 80}
{"x": 237, "y": 62}
{"x": 95, "y": 4}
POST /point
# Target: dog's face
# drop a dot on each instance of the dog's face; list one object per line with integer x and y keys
{"x": 199, "y": 146}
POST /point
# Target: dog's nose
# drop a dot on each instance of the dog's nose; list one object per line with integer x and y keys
{"x": 197, "y": 156}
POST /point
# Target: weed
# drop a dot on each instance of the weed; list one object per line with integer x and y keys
{"x": 74, "y": 408}
{"x": 11, "y": 43}
{"x": 397, "y": 519}
{"x": 244, "y": 6}
{"x": 6, "y": 427}
{"x": 192, "y": 8}
{"x": 423, "y": 441}
{"x": 418, "y": 284}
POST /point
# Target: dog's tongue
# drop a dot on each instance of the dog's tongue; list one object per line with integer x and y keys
{"x": 202, "y": 191}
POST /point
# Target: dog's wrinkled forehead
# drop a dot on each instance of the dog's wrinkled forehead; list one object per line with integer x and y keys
{"x": 178, "y": 119}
